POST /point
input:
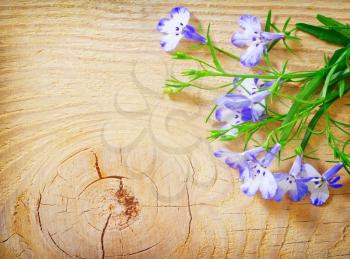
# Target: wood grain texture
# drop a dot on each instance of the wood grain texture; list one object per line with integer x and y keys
{"x": 97, "y": 163}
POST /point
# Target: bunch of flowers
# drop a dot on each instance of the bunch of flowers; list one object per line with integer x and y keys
{"x": 244, "y": 110}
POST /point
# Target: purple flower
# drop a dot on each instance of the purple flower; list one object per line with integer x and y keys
{"x": 176, "y": 27}
{"x": 237, "y": 160}
{"x": 254, "y": 38}
{"x": 250, "y": 107}
{"x": 238, "y": 116}
{"x": 318, "y": 184}
{"x": 292, "y": 183}
{"x": 258, "y": 177}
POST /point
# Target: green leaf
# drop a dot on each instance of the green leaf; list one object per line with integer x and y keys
{"x": 287, "y": 46}
{"x": 286, "y": 24}
{"x": 325, "y": 59}
{"x": 181, "y": 55}
{"x": 336, "y": 55}
{"x": 284, "y": 68}
{"x": 341, "y": 87}
{"x": 327, "y": 35}
{"x": 343, "y": 29}
{"x": 268, "y": 21}
{"x": 275, "y": 27}
{"x": 291, "y": 37}
{"x": 331, "y": 72}
{"x": 212, "y": 51}
{"x": 272, "y": 45}
{"x": 227, "y": 137}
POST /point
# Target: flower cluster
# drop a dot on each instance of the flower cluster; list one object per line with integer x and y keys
{"x": 244, "y": 109}
{"x": 177, "y": 27}
{"x": 302, "y": 178}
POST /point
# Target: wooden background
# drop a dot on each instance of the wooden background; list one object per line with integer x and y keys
{"x": 97, "y": 163}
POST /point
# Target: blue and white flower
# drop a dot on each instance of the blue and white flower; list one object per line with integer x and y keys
{"x": 236, "y": 160}
{"x": 254, "y": 38}
{"x": 250, "y": 105}
{"x": 258, "y": 177}
{"x": 254, "y": 171}
{"x": 229, "y": 117}
{"x": 318, "y": 184}
{"x": 292, "y": 183}
{"x": 176, "y": 27}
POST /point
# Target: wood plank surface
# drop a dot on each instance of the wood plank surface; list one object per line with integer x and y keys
{"x": 97, "y": 163}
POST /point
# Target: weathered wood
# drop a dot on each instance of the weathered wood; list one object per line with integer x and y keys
{"x": 97, "y": 163}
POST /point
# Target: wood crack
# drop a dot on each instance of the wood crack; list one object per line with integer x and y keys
{"x": 54, "y": 242}
{"x": 143, "y": 250}
{"x": 38, "y": 211}
{"x": 121, "y": 155}
{"x": 97, "y": 166}
{"x": 5, "y": 240}
{"x": 103, "y": 234}
{"x": 284, "y": 237}
{"x": 189, "y": 213}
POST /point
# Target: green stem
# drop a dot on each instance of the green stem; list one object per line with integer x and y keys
{"x": 285, "y": 76}
{"x": 307, "y": 90}
{"x": 226, "y": 53}
{"x": 212, "y": 88}
{"x": 203, "y": 62}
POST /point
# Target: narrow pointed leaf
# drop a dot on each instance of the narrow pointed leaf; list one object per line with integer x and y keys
{"x": 213, "y": 54}
{"x": 268, "y": 21}
{"x": 327, "y": 35}
{"x": 343, "y": 29}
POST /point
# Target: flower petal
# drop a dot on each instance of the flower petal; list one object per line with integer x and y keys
{"x": 168, "y": 26}
{"x": 319, "y": 195}
{"x": 234, "y": 101}
{"x": 246, "y": 114}
{"x": 250, "y": 186}
{"x": 221, "y": 153}
{"x": 260, "y": 108}
{"x": 180, "y": 14}
{"x": 282, "y": 186}
{"x": 336, "y": 186}
{"x": 225, "y": 98}
{"x": 297, "y": 167}
{"x": 250, "y": 23}
{"x": 298, "y": 190}
{"x": 270, "y": 155}
{"x": 190, "y": 33}
{"x": 268, "y": 185}
{"x": 223, "y": 114}
{"x": 243, "y": 172}
{"x": 232, "y": 159}
{"x": 332, "y": 171}
{"x": 252, "y": 55}
{"x": 310, "y": 171}
{"x": 261, "y": 179}
{"x": 268, "y": 37}
{"x": 255, "y": 115}
{"x": 259, "y": 96}
{"x": 240, "y": 39}
{"x": 268, "y": 84}
{"x": 248, "y": 86}
{"x": 334, "y": 180}
{"x": 249, "y": 154}
{"x": 169, "y": 41}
